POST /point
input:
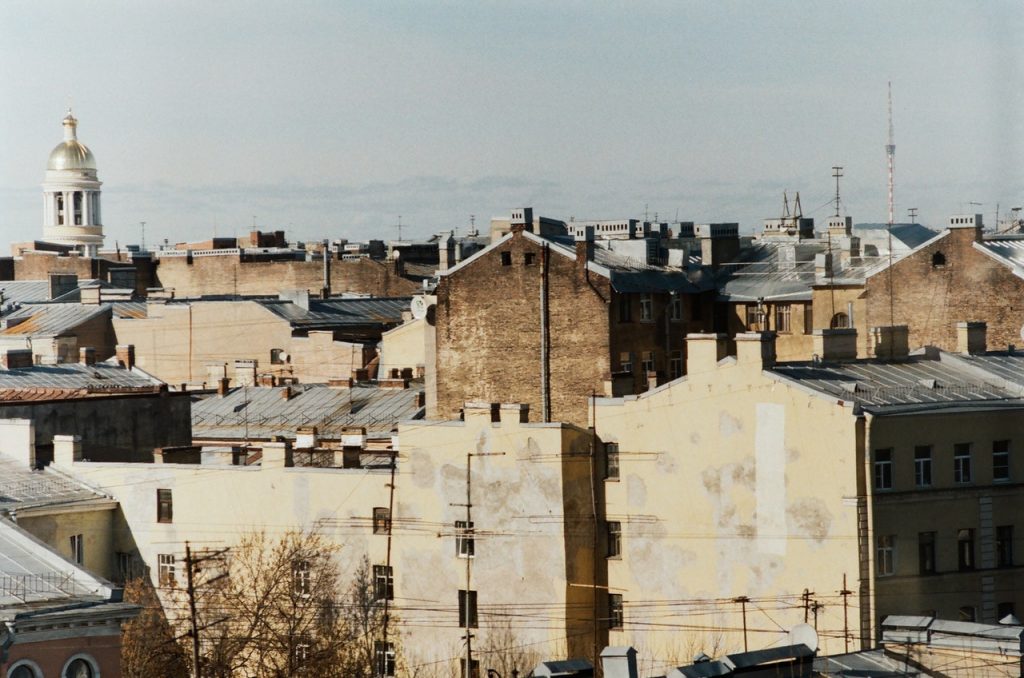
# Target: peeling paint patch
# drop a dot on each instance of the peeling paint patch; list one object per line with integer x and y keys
{"x": 422, "y": 469}
{"x": 667, "y": 463}
{"x": 695, "y": 438}
{"x": 712, "y": 480}
{"x": 744, "y": 474}
{"x": 636, "y": 491}
{"x": 810, "y": 517}
{"x": 728, "y": 425}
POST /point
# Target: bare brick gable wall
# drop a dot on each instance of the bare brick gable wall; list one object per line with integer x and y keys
{"x": 931, "y": 298}
{"x": 489, "y": 332}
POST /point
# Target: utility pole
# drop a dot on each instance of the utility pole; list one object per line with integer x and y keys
{"x": 743, "y": 600}
{"x": 468, "y": 533}
{"x": 399, "y": 227}
{"x": 391, "y": 522}
{"x": 807, "y": 604}
{"x": 142, "y": 246}
{"x": 890, "y": 153}
{"x": 846, "y": 619}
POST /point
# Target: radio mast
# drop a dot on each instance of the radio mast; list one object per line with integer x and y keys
{"x": 890, "y": 152}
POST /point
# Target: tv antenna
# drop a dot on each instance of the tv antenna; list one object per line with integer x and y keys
{"x": 142, "y": 247}
{"x": 399, "y": 227}
{"x": 837, "y": 172}
{"x": 913, "y": 215}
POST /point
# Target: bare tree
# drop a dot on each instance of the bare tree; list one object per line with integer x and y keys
{"x": 504, "y": 651}
{"x": 149, "y": 648}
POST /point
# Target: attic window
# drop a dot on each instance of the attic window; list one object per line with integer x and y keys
{"x": 938, "y": 260}
{"x": 506, "y": 258}
{"x": 528, "y": 258}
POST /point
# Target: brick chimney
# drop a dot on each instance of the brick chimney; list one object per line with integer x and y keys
{"x": 125, "y": 355}
{"x": 891, "y": 342}
{"x": 755, "y": 349}
{"x": 87, "y": 355}
{"x": 703, "y": 351}
{"x": 14, "y": 358}
{"x": 837, "y": 344}
{"x": 585, "y": 245}
{"x": 619, "y": 662}
{"x": 971, "y": 337}
{"x": 223, "y": 386}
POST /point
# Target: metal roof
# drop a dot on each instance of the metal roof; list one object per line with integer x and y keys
{"x": 98, "y": 378}
{"x": 22, "y": 487}
{"x": 1008, "y": 249}
{"x": 918, "y": 381}
{"x": 328, "y": 313}
{"x": 261, "y": 412}
{"x": 874, "y": 663}
{"x": 904, "y": 236}
{"x": 48, "y": 320}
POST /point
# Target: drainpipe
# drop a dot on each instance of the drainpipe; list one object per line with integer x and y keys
{"x": 545, "y": 394}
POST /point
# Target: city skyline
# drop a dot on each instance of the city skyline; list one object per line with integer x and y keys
{"x": 329, "y": 119}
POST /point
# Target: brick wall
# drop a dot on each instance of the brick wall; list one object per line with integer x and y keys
{"x": 931, "y": 297}
{"x": 228, "y": 275}
{"x": 489, "y": 332}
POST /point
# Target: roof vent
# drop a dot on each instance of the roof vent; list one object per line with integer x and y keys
{"x": 928, "y": 383}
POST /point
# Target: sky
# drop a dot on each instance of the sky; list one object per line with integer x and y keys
{"x": 338, "y": 119}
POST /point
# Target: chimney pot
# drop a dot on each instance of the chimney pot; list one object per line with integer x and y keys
{"x": 126, "y": 355}
{"x": 87, "y": 355}
{"x": 756, "y": 349}
{"x": 223, "y": 386}
{"x": 891, "y": 342}
{"x": 619, "y": 662}
{"x": 837, "y": 344}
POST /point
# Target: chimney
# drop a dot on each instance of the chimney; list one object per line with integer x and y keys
{"x": 18, "y": 440}
{"x": 445, "y": 251}
{"x": 838, "y": 344}
{"x": 286, "y": 393}
{"x": 971, "y": 337}
{"x": 216, "y": 371}
{"x": 585, "y": 245}
{"x": 245, "y": 372}
{"x": 719, "y": 243}
{"x": 619, "y": 662}
{"x": 125, "y": 355}
{"x": 276, "y": 455}
{"x": 522, "y": 219}
{"x": 223, "y": 385}
{"x": 481, "y": 411}
{"x": 339, "y": 382}
{"x": 14, "y": 358}
{"x": 652, "y": 380}
{"x": 87, "y": 355}
{"x": 822, "y": 265}
{"x": 891, "y": 342}
{"x": 703, "y": 351}
{"x": 756, "y": 350}
{"x": 66, "y": 449}
{"x": 968, "y": 221}
{"x": 90, "y": 296}
{"x": 515, "y": 413}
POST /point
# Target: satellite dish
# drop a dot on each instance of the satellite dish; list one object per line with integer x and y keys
{"x": 804, "y": 634}
{"x": 419, "y": 307}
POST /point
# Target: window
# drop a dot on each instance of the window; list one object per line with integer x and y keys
{"x": 164, "y": 507}
{"x": 965, "y": 549}
{"x": 613, "y": 529}
{"x": 885, "y": 555}
{"x": 383, "y": 582}
{"x": 465, "y": 544}
{"x": 883, "y": 469}
{"x": 675, "y": 364}
{"x": 938, "y": 260}
{"x": 962, "y": 463}
{"x": 840, "y": 321}
{"x": 646, "y": 307}
{"x": 1004, "y": 545}
{"x": 300, "y": 653}
{"x": 625, "y": 312}
{"x": 611, "y": 461}
{"x": 1001, "y": 460}
{"x": 782, "y": 318}
{"x": 126, "y": 567}
{"x": 383, "y": 658}
{"x": 165, "y": 573}
{"x": 79, "y": 667}
{"x": 753, "y": 319}
{"x": 615, "y": 616}
{"x": 675, "y": 308}
{"x": 626, "y": 362}
{"x": 808, "y": 319}
{"x": 474, "y": 668}
{"x": 923, "y": 465}
{"x": 301, "y": 578}
{"x": 506, "y": 258}
{"x": 967, "y": 613}
{"x": 467, "y": 609}
{"x": 926, "y": 552}
{"x": 277, "y": 356}
{"x": 25, "y": 670}
{"x": 647, "y": 362}
{"x": 381, "y": 520}
{"x": 529, "y": 258}
{"x": 77, "y": 548}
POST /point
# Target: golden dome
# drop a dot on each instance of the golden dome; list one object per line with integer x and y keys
{"x": 71, "y": 154}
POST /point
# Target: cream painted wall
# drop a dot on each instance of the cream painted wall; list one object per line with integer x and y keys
{"x": 732, "y": 483}
{"x": 519, "y": 501}
{"x": 404, "y": 346}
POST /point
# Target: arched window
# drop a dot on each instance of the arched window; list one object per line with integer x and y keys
{"x": 80, "y": 666}
{"x": 25, "y": 669}
{"x": 840, "y": 321}
{"x": 938, "y": 260}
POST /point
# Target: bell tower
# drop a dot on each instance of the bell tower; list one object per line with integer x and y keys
{"x": 71, "y": 194}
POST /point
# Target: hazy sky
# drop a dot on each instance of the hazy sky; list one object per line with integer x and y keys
{"x": 333, "y": 118}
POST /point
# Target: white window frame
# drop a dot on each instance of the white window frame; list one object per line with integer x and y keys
{"x": 885, "y": 555}
{"x": 37, "y": 672}
{"x": 962, "y": 471}
{"x": 646, "y": 308}
{"x": 78, "y": 548}
{"x": 166, "y": 570}
{"x": 465, "y": 542}
{"x": 87, "y": 658}
{"x": 923, "y": 467}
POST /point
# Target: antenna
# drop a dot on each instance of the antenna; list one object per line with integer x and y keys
{"x": 890, "y": 152}
{"x": 913, "y": 215}
{"x": 399, "y": 227}
{"x": 837, "y": 172}
{"x": 142, "y": 247}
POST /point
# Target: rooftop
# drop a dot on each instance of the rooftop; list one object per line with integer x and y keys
{"x": 22, "y": 488}
{"x": 103, "y": 377}
{"x": 48, "y": 320}
{"x": 329, "y": 313}
{"x": 258, "y": 413}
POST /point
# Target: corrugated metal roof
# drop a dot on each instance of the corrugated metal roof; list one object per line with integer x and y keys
{"x": 22, "y": 487}
{"x": 1008, "y": 248}
{"x": 48, "y": 320}
{"x": 262, "y": 412}
{"x": 917, "y": 381}
{"x": 874, "y": 663}
{"x": 130, "y": 309}
{"x": 339, "y": 312}
{"x": 98, "y": 378}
